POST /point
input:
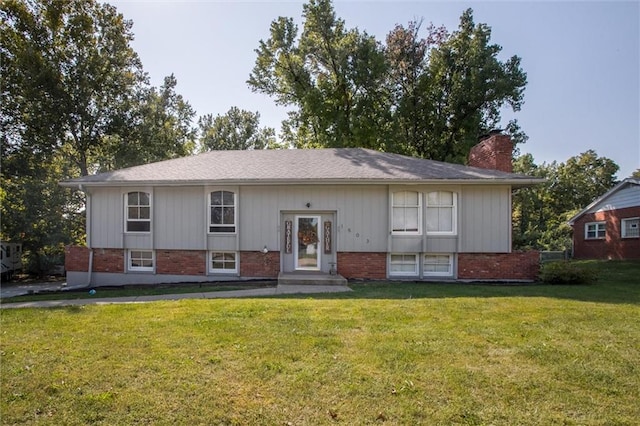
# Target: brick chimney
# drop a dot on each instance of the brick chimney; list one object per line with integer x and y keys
{"x": 493, "y": 152}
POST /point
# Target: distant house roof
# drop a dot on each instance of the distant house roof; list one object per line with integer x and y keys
{"x": 600, "y": 200}
{"x": 340, "y": 165}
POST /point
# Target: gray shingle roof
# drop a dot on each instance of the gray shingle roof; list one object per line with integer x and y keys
{"x": 345, "y": 165}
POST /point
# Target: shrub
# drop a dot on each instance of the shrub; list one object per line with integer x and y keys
{"x": 565, "y": 272}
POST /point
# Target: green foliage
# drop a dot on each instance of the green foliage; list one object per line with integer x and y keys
{"x": 333, "y": 76}
{"x": 237, "y": 129}
{"x": 428, "y": 97}
{"x": 541, "y": 212}
{"x": 566, "y": 272}
{"x": 75, "y": 100}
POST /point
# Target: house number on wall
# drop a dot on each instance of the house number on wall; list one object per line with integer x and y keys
{"x": 327, "y": 237}
{"x": 288, "y": 226}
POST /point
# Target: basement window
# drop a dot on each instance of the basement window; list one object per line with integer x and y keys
{"x": 141, "y": 260}
{"x": 223, "y": 262}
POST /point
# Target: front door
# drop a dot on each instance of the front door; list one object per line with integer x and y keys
{"x": 307, "y": 243}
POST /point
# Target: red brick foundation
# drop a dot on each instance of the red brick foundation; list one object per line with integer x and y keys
{"x": 362, "y": 265}
{"x": 104, "y": 260}
{"x": 613, "y": 246}
{"x": 258, "y": 264}
{"x": 181, "y": 262}
{"x": 519, "y": 265}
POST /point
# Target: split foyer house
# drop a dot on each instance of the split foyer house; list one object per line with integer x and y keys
{"x": 353, "y": 213}
{"x": 609, "y": 227}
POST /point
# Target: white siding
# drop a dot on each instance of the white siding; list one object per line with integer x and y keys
{"x": 485, "y": 219}
{"x": 179, "y": 218}
{"x": 107, "y": 218}
{"x": 361, "y": 214}
{"x": 628, "y": 196}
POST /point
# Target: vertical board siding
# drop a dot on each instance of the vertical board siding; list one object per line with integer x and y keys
{"x": 107, "y": 218}
{"x": 179, "y": 217}
{"x": 362, "y": 214}
{"x": 484, "y": 219}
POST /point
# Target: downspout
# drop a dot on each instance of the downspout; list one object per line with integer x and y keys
{"x": 88, "y": 232}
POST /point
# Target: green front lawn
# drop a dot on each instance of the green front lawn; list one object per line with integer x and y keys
{"x": 385, "y": 354}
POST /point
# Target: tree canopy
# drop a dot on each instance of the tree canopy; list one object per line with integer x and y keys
{"x": 237, "y": 129}
{"x": 428, "y": 97}
{"x": 540, "y": 213}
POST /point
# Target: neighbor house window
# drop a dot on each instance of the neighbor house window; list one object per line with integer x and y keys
{"x": 403, "y": 264}
{"x": 594, "y": 230}
{"x": 441, "y": 212}
{"x": 631, "y": 227}
{"x": 138, "y": 212}
{"x": 222, "y": 211}
{"x": 438, "y": 265}
{"x": 223, "y": 262}
{"x": 406, "y": 212}
{"x": 141, "y": 260}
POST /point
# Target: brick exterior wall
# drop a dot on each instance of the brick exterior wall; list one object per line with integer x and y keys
{"x": 494, "y": 153}
{"x": 181, "y": 262}
{"x": 76, "y": 258}
{"x": 258, "y": 264}
{"x": 104, "y": 260}
{"x": 108, "y": 260}
{"x": 613, "y": 246}
{"x": 519, "y": 265}
{"x": 362, "y": 265}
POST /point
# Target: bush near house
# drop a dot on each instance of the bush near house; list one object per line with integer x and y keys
{"x": 567, "y": 272}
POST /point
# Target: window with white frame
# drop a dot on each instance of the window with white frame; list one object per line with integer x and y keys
{"x": 631, "y": 227}
{"x": 222, "y": 262}
{"x": 138, "y": 212}
{"x": 406, "y": 212}
{"x": 403, "y": 264}
{"x": 140, "y": 260}
{"x": 440, "y": 265}
{"x": 222, "y": 211}
{"x": 594, "y": 230}
{"x": 441, "y": 212}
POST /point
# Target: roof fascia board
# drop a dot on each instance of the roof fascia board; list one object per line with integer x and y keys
{"x": 516, "y": 183}
{"x": 602, "y": 198}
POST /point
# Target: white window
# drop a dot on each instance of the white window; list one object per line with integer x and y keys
{"x": 222, "y": 211}
{"x": 403, "y": 265}
{"x": 631, "y": 227}
{"x": 222, "y": 262}
{"x": 138, "y": 212}
{"x": 441, "y": 212}
{"x": 141, "y": 260}
{"x": 594, "y": 230}
{"x": 406, "y": 212}
{"x": 438, "y": 265}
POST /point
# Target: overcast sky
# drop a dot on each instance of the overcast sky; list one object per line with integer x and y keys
{"x": 582, "y": 60}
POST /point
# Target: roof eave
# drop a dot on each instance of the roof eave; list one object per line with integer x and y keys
{"x": 515, "y": 183}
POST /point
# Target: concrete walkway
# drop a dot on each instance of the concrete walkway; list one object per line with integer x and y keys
{"x": 255, "y": 292}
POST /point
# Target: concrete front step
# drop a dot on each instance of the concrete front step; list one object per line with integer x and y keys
{"x": 306, "y": 278}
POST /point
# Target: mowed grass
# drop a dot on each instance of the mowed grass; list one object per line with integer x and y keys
{"x": 387, "y": 353}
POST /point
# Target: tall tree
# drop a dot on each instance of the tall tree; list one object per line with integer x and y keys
{"x": 333, "y": 76}
{"x": 430, "y": 97}
{"x": 68, "y": 75}
{"x": 466, "y": 87}
{"x": 237, "y": 129}
{"x": 158, "y": 127}
{"x": 540, "y": 213}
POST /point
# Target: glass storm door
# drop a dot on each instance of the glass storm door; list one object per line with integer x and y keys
{"x": 307, "y": 243}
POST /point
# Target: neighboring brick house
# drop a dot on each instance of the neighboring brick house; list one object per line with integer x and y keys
{"x": 265, "y": 214}
{"x": 609, "y": 227}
